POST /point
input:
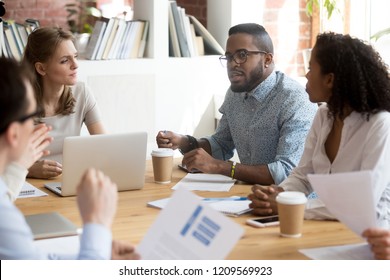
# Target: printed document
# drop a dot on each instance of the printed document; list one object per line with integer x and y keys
{"x": 67, "y": 246}
{"x": 205, "y": 182}
{"x": 188, "y": 229}
{"x": 345, "y": 252}
{"x": 229, "y": 206}
{"x": 29, "y": 190}
{"x": 349, "y": 197}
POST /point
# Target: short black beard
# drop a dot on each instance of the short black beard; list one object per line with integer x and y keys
{"x": 255, "y": 77}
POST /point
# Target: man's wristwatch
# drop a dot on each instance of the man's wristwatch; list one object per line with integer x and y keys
{"x": 192, "y": 144}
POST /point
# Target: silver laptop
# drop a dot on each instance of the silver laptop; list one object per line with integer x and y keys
{"x": 122, "y": 157}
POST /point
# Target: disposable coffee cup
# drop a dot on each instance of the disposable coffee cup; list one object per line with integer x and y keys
{"x": 162, "y": 159}
{"x": 291, "y": 209}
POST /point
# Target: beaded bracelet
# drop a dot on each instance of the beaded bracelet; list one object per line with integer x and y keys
{"x": 233, "y": 170}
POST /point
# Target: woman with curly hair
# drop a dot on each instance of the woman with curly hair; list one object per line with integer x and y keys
{"x": 350, "y": 132}
{"x": 65, "y": 103}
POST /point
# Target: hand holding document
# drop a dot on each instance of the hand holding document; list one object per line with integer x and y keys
{"x": 205, "y": 182}
{"x": 188, "y": 229}
{"x": 349, "y": 197}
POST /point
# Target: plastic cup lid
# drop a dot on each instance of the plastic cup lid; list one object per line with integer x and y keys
{"x": 162, "y": 152}
{"x": 291, "y": 198}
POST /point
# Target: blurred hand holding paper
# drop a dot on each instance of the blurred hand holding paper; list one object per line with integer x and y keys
{"x": 348, "y": 196}
{"x": 189, "y": 229}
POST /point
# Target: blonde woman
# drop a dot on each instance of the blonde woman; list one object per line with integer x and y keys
{"x": 65, "y": 103}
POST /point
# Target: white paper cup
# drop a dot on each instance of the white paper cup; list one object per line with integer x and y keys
{"x": 291, "y": 209}
{"x": 162, "y": 159}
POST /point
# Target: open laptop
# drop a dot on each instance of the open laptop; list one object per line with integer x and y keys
{"x": 122, "y": 157}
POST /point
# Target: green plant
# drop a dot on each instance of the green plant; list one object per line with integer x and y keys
{"x": 79, "y": 13}
{"x": 381, "y": 33}
{"x": 329, "y": 5}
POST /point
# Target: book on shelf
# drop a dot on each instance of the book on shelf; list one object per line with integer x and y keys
{"x": 14, "y": 36}
{"x": 127, "y": 37}
{"x": 173, "y": 40}
{"x": 103, "y": 42}
{"x": 183, "y": 44}
{"x": 144, "y": 40}
{"x": 133, "y": 42}
{"x": 110, "y": 39}
{"x": 33, "y": 23}
{"x": 117, "y": 39}
{"x": 187, "y": 36}
{"x": 211, "y": 46}
{"x": 15, "y": 32}
{"x": 10, "y": 42}
{"x": 3, "y": 49}
{"x": 198, "y": 41}
{"x": 114, "y": 50}
{"x": 187, "y": 31}
{"x": 95, "y": 39}
{"x": 23, "y": 34}
{"x": 137, "y": 39}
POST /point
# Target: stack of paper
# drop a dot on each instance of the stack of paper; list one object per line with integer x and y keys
{"x": 231, "y": 206}
{"x": 205, "y": 182}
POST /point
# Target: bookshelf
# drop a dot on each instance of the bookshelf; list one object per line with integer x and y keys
{"x": 157, "y": 92}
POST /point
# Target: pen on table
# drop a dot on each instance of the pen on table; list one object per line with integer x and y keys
{"x": 237, "y": 198}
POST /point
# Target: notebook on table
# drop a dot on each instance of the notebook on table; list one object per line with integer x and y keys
{"x": 50, "y": 225}
{"x": 122, "y": 157}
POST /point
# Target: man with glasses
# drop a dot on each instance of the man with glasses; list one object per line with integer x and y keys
{"x": 15, "y": 173}
{"x": 265, "y": 116}
{"x": 97, "y": 195}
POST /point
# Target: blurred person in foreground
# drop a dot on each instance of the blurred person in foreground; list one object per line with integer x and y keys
{"x": 96, "y": 194}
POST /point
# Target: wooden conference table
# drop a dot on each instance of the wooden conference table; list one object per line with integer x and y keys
{"x": 133, "y": 219}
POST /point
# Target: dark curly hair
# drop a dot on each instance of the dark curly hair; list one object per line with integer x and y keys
{"x": 361, "y": 78}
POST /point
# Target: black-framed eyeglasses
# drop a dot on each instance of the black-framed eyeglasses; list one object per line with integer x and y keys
{"x": 22, "y": 119}
{"x": 239, "y": 56}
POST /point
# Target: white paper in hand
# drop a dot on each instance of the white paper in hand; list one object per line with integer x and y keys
{"x": 348, "y": 196}
{"x": 188, "y": 229}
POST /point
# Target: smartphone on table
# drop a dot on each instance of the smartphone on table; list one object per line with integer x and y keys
{"x": 261, "y": 222}
{"x": 183, "y": 167}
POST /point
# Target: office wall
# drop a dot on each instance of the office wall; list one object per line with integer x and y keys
{"x": 285, "y": 20}
{"x": 49, "y": 12}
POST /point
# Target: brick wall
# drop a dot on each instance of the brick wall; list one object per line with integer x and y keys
{"x": 285, "y": 20}
{"x": 197, "y": 8}
{"x": 290, "y": 28}
{"x": 49, "y": 12}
